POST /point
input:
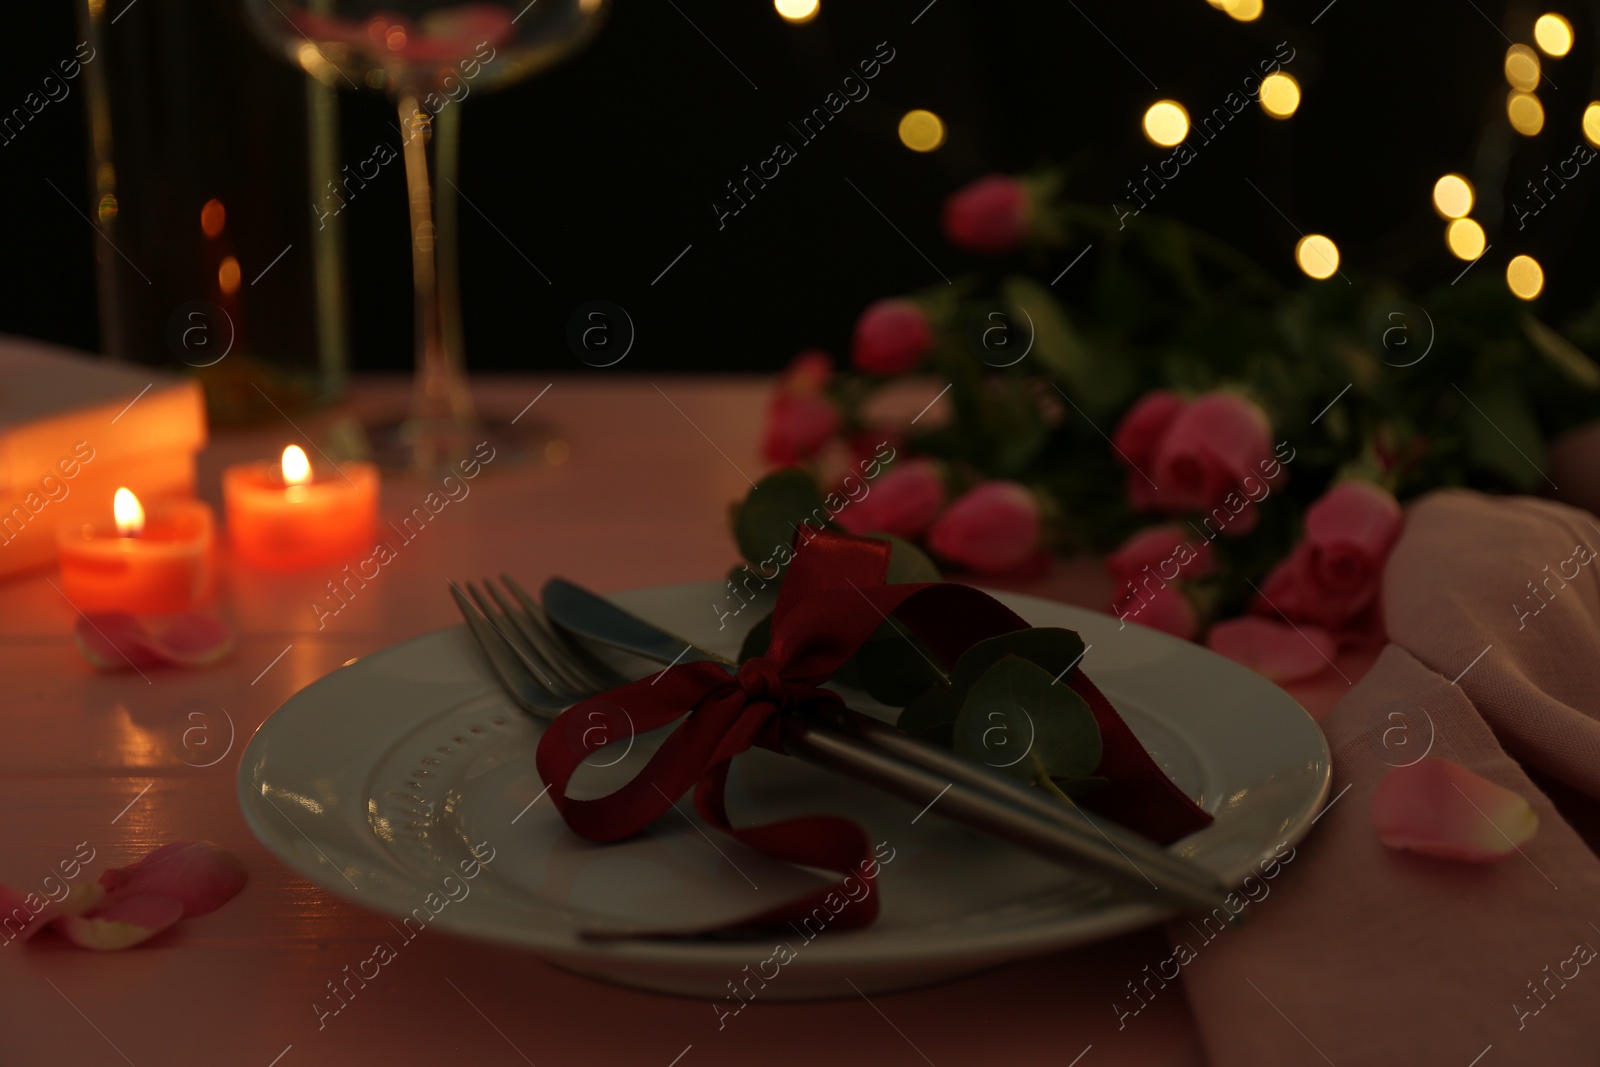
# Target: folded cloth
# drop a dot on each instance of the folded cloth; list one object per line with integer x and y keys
{"x": 1365, "y": 955}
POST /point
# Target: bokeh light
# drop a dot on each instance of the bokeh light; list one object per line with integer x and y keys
{"x": 1591, "y": 123}
{"x": 1553, "y": 35}
{"x": 1243, "y": 10}
{"x": 1280, "y": 95}
{"x": 1525, "y": 112}
{"x": 1465, "y": 238}
{"x": 1522, "y": 68}
{"x": 921, "y": 131}
{"x": 797, "y": 11}
{"x": 1525, "y": 277}
{"x": 1166, "y": 123}
{"x": 213, "y": 216}
{"x": 228, "y": 275}
{"x": 1317, "y": 255}
{"x": 1452, "y": 196}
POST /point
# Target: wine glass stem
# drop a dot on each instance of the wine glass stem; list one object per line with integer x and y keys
{"x": 440, "y": 396}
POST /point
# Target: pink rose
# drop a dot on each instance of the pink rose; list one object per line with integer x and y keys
{"x": 800, "y": 417}
{"x": 1158, "y": 551}
{"x": 892, "y": 337}
{"x": 1332, "y": 577}
{"x": 808, "y": 372}
{"x": 1211, "y": 454}
{"x": 1138, "y": 436}
{"x": 797, "y": 427}
{"x": 1208, "y": 451}
{"x": 902, "y": 502}
{"x": 1146, "y": 569}
{"x": 990, "y": 216}
{"x": 992, "y": 528}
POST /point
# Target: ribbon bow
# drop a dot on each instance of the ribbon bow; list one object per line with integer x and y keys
{"x": 832, "y": 600}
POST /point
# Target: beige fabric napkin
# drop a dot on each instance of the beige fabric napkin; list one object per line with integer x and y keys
{"x": 1363, "y": 955}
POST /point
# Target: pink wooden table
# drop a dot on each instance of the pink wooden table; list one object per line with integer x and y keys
{"x": 96, "y": 758}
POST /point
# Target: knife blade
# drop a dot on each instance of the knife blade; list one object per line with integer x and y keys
{"x": 577, "y": 610}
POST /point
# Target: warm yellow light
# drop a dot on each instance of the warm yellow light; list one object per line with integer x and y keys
{"x": 1243, "y": 10}
{"x": 1525, "y": 112}
{"x": 797, "y": 11}
{"x": 1465, "y": 238}
{"x": 296, "y": 467}
{"x": 1280, "y": 95}
{"x": 128, "y": 512}
{"x": 1166, "y": 123}
{"x": 921, "y": 131}
{"x": 1522, "y": 68}
{"x": 1452, "y": 196}
{"x": 1591, "y": 123}
{"x": 1525, "y": 277}
{"x": 1317, "y": 255}
{"x": 213, "y": 216}
{"x": 1553, "y": 35}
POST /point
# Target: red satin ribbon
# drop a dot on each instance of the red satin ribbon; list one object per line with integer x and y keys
{"x": 832, "y": 600}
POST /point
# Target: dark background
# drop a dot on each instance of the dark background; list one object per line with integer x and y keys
{"x": 603, "y": 170}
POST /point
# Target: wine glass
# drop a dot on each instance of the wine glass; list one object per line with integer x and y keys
{"x": 428, "y": 57}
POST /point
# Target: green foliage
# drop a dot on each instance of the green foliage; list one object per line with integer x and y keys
{"x": 770, "y": 516}
{"x": 1007, "y": 705}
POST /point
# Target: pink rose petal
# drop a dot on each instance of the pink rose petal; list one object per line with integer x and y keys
{"x": 1160, "y": 608}
{"x": 1162, "y": 549}
{"x": 115, "y": 640}
{"x": 1438, "y": 808}
{"x": 121, "y": 925}
{"x": 197, "y": 874}
{"x": 1281, "y": 653}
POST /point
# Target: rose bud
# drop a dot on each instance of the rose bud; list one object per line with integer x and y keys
{"x": 992, "y": 528}
{"x": 990, "y": 216}
{"x": 892, "y": 337}
{"x": 902, "y": 502}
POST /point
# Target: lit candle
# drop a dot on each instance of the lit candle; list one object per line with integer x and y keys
{"x": 285, "y": 516}
{"x": 158, "y": 563}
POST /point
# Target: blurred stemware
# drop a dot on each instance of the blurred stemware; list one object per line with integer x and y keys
{"x": 428, "y": 56}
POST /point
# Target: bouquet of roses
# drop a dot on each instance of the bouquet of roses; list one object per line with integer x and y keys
{"x": 1238, "y": 449}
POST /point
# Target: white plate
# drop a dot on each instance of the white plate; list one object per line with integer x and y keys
{"x": 378, "y": 781}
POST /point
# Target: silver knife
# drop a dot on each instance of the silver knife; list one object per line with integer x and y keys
{"x": 863, "y": 747}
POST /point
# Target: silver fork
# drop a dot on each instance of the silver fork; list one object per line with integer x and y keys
{"x": 544, "y": 672}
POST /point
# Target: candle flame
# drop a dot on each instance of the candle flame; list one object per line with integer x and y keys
{"x": 296, "y": 467}
{"x": 128, "y": 512}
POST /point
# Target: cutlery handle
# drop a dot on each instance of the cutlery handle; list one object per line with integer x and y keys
{"x": 1154, "y": 860}
{"x": 1081, "y": 846}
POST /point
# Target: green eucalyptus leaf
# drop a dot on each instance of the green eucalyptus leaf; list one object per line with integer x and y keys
{"x": 932, "y": 716}
{"x": 766, "y": 520}
{"x": 1013, "y": 715}
{"x": 1081, "y": 787}
{"x": 1056, "y": 345}
{"x": 1048, "y": 647}
{"x": 1060, "y": 349}
{"x": 908, "y": 564}
{"x": 1562, "y": 353}
{"x": 893, "y": 666}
